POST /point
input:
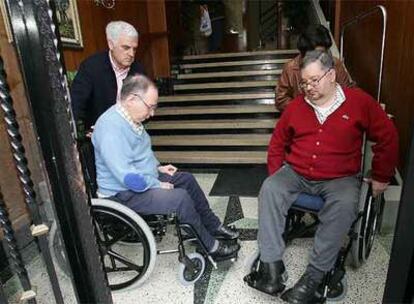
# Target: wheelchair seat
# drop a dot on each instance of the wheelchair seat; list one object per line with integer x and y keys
{"x": 308, "y": 203}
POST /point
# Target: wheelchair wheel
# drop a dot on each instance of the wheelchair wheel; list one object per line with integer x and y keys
{"x": 188, "y": 277}
{"x": 366, "y": 227}
{"x": 126, "y": 266}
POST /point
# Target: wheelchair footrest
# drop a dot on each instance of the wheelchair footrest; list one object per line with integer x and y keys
{"x": 232, "y": 257}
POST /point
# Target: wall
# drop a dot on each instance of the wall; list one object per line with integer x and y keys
{"x": 361, "y": 58}
{"x": 9, "y": 182}
{"x": 148, "y": 16}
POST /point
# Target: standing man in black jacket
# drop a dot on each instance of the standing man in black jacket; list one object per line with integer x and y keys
{"x": 98, "y": 82}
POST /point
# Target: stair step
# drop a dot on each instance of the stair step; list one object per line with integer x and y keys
{"x": 229, "y": 74}
{"x": 232, "y": 63}
{"x": 225, "y": 85}
{"x": 241, "y": 54}
{"x": 232, "y": 109}
{"x": 212, "y": 157}
{"x": 212, "y": 140}
{"x": 215, "y": 97}
{"x": 212, "y": 124}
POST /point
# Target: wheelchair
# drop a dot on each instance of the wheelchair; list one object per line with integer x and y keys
{"x": 301, "y": 221}
{"x": 128, "y": 241}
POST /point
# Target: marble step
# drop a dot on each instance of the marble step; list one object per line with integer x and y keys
{"x": 212, "y": 75}
{"x": 212, "y": 157}
{"x": 232, "y": 63}
{"x": 212, "y": 124}
{"x": 216, "y": 97}
{"x": 226, "y": 85}
{"x": 212, "y": 140}
{"x": 240, "y": 54}
{"x": 230, "y": 109}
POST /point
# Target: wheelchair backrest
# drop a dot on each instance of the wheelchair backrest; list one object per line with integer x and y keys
{"x": 87, "y": 158}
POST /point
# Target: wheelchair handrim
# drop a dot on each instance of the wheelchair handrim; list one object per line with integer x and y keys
{"x": 144, "y": 242}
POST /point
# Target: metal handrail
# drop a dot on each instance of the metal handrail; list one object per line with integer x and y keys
{"x": 358, "y": 18}
{"x": 322, "y": 20}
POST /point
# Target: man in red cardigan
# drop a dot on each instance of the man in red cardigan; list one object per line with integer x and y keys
{"x": 316, "y": 148}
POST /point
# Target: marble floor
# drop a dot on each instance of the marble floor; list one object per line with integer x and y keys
{"x": 225, "y": 284}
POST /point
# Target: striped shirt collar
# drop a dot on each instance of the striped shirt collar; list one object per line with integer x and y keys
{"x": 136, "y": 127}
{"x": 120, "y": 75}
{"x": 322, "y": 115}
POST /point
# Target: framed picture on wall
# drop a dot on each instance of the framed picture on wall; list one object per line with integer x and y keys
{"x": 69, "y": 25}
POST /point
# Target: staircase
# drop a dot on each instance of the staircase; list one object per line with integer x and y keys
{"x": 222, "y": 111}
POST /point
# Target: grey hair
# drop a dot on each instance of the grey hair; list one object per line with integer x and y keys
{"x": 114, "y": 30}
{"x": 323, "y": 57}
{"x": 135, "y": 84}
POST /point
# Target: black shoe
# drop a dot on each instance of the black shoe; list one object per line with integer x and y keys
{"x": 226, "y": 233}
{"x": 269, "y": 278}
{"x": 225, "y": 250}
{"x": 304, "y": 291}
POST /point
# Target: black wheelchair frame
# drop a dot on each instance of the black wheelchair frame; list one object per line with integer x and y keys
{"x": 360, "y": 241}
{"x": 119, "y": 228}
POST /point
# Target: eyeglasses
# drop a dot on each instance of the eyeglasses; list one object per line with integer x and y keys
{"x": 313, "y": 83}
{"x": 150, "y": 107}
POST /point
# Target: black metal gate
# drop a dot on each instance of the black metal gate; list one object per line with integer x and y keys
{"x": 36, "y": 38}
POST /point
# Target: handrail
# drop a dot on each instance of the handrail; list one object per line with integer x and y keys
{"x": 322, "y": 20}
{"x": 358, "y": 18}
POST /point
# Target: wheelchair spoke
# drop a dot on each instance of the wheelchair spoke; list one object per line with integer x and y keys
{"x": 124, "y": 261}
{"x": 109, "y": 239}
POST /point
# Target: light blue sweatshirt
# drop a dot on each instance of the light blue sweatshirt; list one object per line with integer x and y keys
{"x": 121, "y": 152}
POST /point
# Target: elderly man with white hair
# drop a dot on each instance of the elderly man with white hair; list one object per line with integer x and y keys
{"x": 98, "y": 83}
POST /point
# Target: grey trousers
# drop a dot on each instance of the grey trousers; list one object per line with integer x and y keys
{"x": 280, "y": 191}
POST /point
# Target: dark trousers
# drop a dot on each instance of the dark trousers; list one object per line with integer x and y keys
{"x": 187, "y": 200}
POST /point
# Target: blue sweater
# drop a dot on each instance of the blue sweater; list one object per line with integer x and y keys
{"x": 122, "y": 153}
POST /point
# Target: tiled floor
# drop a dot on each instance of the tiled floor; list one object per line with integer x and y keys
{"x": 225, "y": 284}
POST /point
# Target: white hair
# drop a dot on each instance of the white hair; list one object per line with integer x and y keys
{"x": 135, "y": 83}
{"x": 114, "y": 30}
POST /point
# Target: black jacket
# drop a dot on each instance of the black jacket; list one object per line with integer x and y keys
{"x": 94, "y": 88}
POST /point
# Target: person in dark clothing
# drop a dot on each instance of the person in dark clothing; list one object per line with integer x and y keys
{"x": 288, "y": 87}
{"x": 98, "y": 81}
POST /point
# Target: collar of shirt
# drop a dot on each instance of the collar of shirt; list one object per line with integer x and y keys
{"x": 117, "y": 69}
{"x": 120, "y": 75}
{"x": 323, "y": 114}
{"x": 136, "y": 127}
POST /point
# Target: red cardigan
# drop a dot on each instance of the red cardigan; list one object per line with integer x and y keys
{"x": 333, "y": 149}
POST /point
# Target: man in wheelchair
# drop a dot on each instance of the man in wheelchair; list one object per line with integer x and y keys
{"x": 316, "y": 149}
{"x": 128, "y": 171}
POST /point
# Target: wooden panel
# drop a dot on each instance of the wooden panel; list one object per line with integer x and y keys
{"x": 398, "y": 80}
{"x": 9, "y": 182}
{"x": 148, "y": 16}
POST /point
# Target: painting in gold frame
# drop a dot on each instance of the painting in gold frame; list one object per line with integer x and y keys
{"x": 69, "y": 24}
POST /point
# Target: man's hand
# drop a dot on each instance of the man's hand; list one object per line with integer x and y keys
{"x": 377, "y": 187}
{"x": 167, "y": 186}
{"x": 168, "y": 169}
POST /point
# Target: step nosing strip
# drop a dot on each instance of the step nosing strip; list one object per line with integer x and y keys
{"x": 225, "y": 85}
{"x": 241, "y": 54}
{"x": 232, "y": 63}
{"x": 229, "y": 74}
{"x": 212, "y": 97}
